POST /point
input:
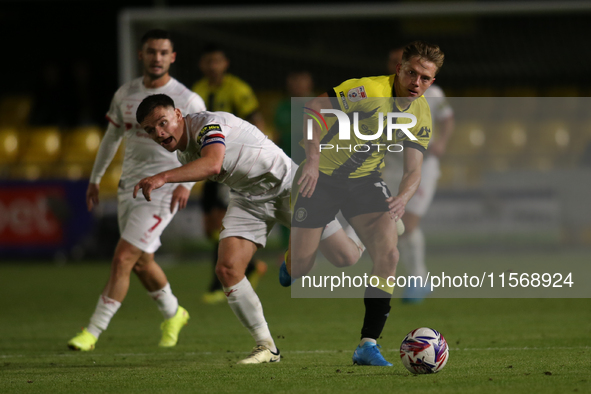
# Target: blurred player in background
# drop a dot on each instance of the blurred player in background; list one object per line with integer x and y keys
{"x": 140, "y": 223}
{"x": 224, "y": 92}
{"x": 299, "y": 84}
{"x": 350, "y": 180}
{"x": 412, "y": 244}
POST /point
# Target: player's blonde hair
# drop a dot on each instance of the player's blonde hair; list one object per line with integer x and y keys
{"x": 424, "y": 50}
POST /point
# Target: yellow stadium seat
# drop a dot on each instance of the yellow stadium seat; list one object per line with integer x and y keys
{"x": 42, "y": 145}
{"x": 468, "y": 139}
{"x": 547, "y": 141}
{"x": 9, "y": 145}
{"x": 505, "y": 142}
{"x": 550, "y": 138}
{"x": 81, "y": 145}
{"x": 15, "y": 110}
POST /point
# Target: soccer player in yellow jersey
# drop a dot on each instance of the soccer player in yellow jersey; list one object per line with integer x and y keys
{"x": 345, "y": 174}
{"x": 224, "y": 92}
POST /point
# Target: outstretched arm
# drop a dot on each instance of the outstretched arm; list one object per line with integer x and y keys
{"x": 210, "y": 163}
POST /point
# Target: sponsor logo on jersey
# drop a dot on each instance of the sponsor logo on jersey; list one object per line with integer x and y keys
{"x": 357, "y": 94}
{"x": 344, "y": 100}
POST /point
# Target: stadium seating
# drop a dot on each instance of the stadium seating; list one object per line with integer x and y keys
{"x": 505, "y": 144}
{"x": 547, "y": 142}
{"x": 79, "y": 150}
{"x": 81, "y": 144}
{"x": 467, "y": 140}
{"x": 41, "y": 145}
{"x": 9, "y": 145}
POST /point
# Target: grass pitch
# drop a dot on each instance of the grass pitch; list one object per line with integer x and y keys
{"x": 496, "y": 345}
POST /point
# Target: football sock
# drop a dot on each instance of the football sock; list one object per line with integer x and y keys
{"x": 363, "y": 340}
{"x": 377, "y": 308}
{"x": 104, "y": 312}
{"x": 166, "y": 301}
{"x": 353, "y": 235}
{"x": 248, "y": 309}
{"x": 412, "y": 253}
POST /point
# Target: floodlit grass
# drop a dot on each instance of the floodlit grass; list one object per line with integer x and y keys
{"x": 497, "y": 345}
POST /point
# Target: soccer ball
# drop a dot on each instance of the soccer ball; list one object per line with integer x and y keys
{"x": 424, "y": 350}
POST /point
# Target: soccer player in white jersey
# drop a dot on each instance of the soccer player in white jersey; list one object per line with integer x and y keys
{"x": 412, "y": 244}
{"x": 140, "y": 223}
{"x": 224, "y": 148}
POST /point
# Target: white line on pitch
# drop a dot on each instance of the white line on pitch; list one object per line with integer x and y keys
{"x": 75, "y": 354}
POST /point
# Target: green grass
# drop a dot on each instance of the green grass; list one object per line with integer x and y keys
{"x": 497, "y": 345}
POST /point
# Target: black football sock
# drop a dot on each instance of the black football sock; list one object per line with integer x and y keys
{"x": 377, "y": 308}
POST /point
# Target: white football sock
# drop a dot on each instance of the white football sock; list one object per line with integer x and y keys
{"x": 104, "y": 312}
{"x": 412, "y": 253}
{"x": 248, "y": 309}
{"x": 166, "y": 301}
{"x": 363, "y": 340}
{"x": 353, "y": 235}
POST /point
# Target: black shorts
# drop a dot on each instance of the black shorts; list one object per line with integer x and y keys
{"x": 211, "y": 196}
{"x": 353, "y": 197}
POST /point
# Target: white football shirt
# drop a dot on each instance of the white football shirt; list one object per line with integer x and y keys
{"x": 253, "y": 165}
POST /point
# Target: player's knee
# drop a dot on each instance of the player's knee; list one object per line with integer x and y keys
{"x": 122, "y": 265}
{"x": 139, "y": 268}
{"x": 226, "y": 271}
{"x": 347, "y": 258}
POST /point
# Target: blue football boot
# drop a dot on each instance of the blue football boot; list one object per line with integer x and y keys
{"x": 284, "y": 276}
{"x": 369, "y": 354}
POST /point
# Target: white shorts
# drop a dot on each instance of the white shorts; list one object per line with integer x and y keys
{"x": 420, "y": 202}
{"x": 253, "y": 220}
{"x": 141, "y": 222}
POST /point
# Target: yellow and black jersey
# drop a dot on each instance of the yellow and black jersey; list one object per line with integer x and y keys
{"x": 369, "y": 98}
{"x": 233, "y": 95}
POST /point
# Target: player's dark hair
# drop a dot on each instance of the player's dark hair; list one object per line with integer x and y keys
{"x": 150, "y": 103}
{"x": 424, "y": 50}
{"x": 156, "y": 34}
{"x": 211, "y": 48}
